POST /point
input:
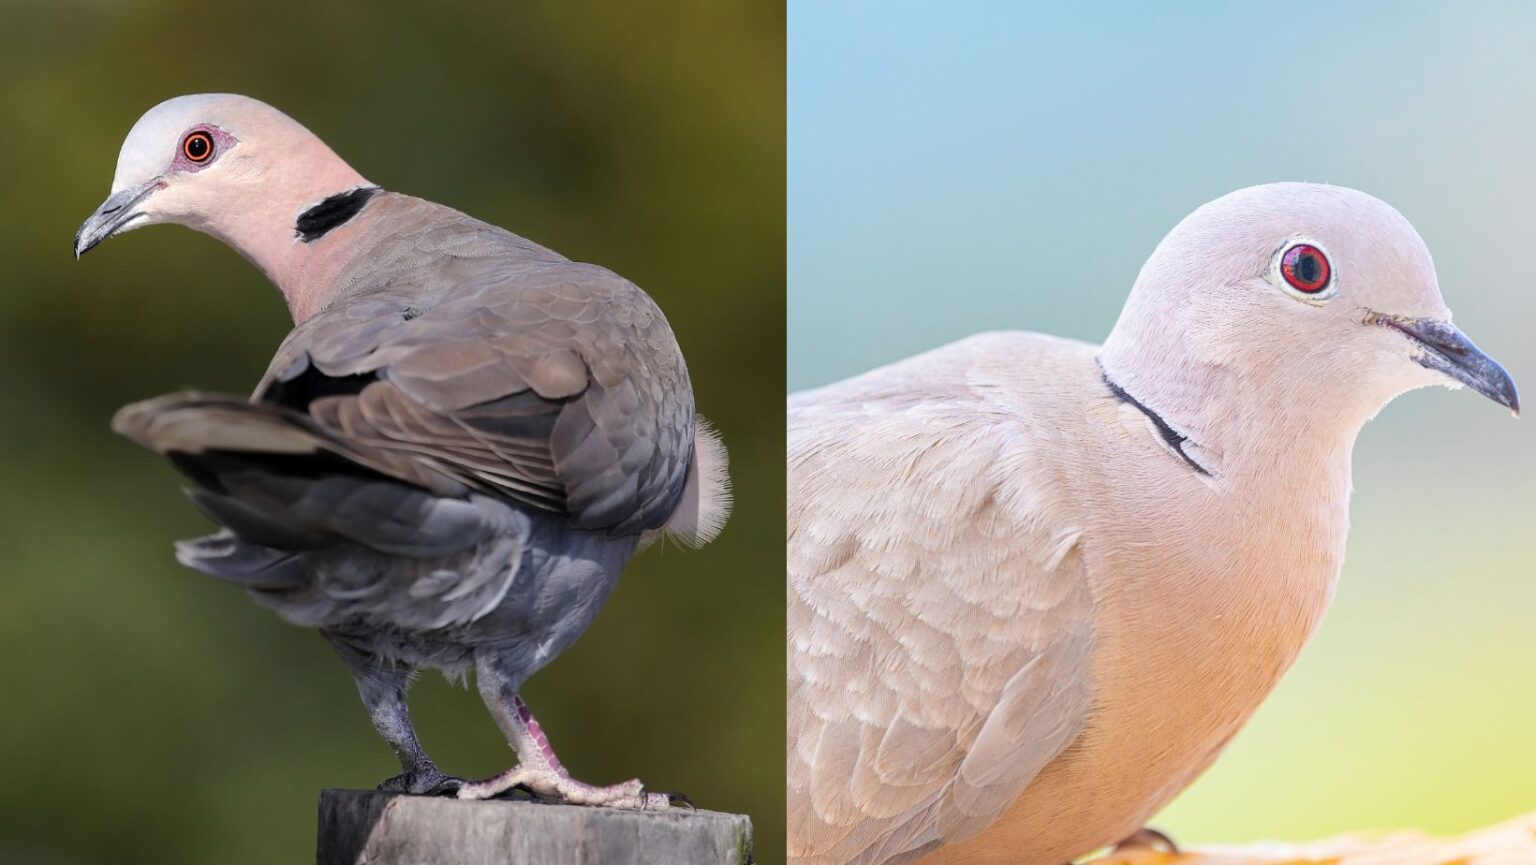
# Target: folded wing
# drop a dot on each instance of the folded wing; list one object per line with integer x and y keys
{"x": 939, "y": 630}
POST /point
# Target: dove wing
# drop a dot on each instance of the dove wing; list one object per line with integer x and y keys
{"x": 939, "y": 630}
{"x": 554, "y": 384}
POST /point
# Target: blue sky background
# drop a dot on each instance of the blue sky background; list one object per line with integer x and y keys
{"x": 957, "y": 167}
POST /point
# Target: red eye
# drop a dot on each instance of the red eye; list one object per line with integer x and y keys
{"x": 1306, "y": 268}
{"x": 198, "y": 146}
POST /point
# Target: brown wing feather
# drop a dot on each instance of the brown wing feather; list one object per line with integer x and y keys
{"x": 554, "y": 384}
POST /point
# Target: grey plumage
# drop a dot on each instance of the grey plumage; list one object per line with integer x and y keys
{"x": 474, "y": 413}
{"x": 447, "y": 464}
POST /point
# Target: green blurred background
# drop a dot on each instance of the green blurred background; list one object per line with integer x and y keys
{"x": 964, "y": 167}
{"x": 151, "y": 715}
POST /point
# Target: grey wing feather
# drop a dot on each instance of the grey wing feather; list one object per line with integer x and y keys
{"x": 555, "y": 384}
{"x": 324, "y": 530}
{"x": 461, "y": 373}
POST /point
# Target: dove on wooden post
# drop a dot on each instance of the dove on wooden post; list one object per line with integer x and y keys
{"x": 1036, "y": 585}
{"x": 454, "y": 453}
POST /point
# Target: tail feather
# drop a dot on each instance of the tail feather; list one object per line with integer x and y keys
{"x": 191, "y": 427}
{"x": 706, "y": 501}
{"x": 253, "y": 524}
{"x": 253, "y": 566}
{"x": 324, "y": 531}
{"x": 276, "y": 479}
{"x": 193, "y": 422}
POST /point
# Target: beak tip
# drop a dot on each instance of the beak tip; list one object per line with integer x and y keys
{"x": 1447, "y": 350}
{"x": 1508, "y": 394}
{"x": 115, "y": 215}
{"x": 82, "y": 244}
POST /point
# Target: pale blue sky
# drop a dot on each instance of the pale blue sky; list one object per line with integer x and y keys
{"x": 958, "y": 166}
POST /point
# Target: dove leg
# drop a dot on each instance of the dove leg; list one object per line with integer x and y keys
{"x": 538, "y": 770}
{"x": 384, "y": 691}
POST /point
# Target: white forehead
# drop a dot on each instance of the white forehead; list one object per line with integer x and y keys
{"x": 151, "y": 143}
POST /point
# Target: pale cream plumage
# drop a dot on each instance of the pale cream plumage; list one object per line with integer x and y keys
{"x": 1020, "y": 618}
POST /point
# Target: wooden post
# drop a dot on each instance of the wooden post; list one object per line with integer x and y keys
{"x": 370, "y": 828}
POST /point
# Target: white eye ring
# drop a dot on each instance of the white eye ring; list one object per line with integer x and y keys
{"x": 1278, "y": 272}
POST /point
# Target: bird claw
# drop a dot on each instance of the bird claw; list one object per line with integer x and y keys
{"x": 1147, "y": 838}
{"x": 423, "y": 782}
{"x": 680, "y": 800}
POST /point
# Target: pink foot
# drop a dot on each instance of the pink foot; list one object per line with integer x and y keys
{"x": 630, "y": 795}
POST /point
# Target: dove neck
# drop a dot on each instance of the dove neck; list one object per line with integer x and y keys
{"x": 1231, "y": 422}
{"x": 270, "y": 236}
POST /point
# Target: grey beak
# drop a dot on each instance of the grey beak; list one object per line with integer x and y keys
{"x": 1446, "y": 349}
{"x": 110, "y": 218}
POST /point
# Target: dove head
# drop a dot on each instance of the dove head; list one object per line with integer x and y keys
{"x": 1294, "y": 304}
{"x": 232, "y": 167}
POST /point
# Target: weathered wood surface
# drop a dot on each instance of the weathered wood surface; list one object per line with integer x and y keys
{"x": 1510, "y": 843}
{"x": 369, "y": 828}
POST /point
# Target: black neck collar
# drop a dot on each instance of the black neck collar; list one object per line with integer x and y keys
{"x": 1173, "y": 437}
{"x": 334, "y": 211}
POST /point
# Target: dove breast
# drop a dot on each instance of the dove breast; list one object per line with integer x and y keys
{"x": 1019, "y": 622}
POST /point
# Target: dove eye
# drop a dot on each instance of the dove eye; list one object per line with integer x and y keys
{"x": 197, "y": 147}
{"x": 1306, "y": 269}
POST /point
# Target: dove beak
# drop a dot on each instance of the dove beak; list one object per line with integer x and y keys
{"x": 1447, "y": 350}
{"x": 115, "y": 214}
